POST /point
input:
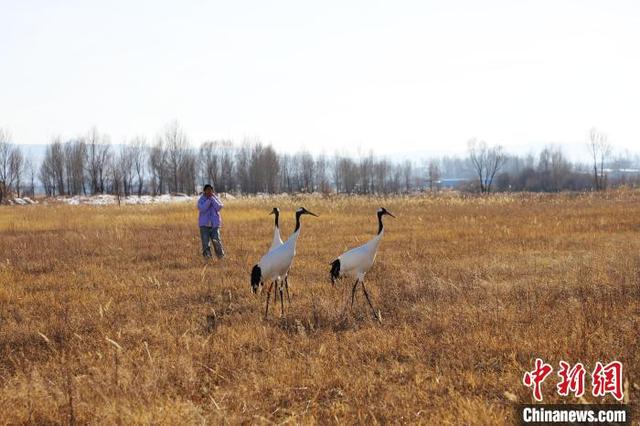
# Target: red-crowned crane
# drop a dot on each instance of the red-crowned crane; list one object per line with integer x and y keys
{"x": 357, "y": 262}
{"x": 275, "y": 243}
{"x": 274, "y": 266}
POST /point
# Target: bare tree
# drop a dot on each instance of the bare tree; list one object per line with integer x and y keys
{"x": 115, "y": 172}
{"x": 560, "y": 169}
{"x": 346, "y": 174}
{"x": 544, "y": 168}
{"x": 158, "y": 167}
{"x": 75, "y": 153}
{"x": 242, "y": 161}
{"x": 307, "y": 171}
{"x": 98, "y": 152}
{"x": 600, "y": 150}
{"x": 139, "y": 151}
{"x": 210, "y": 162}
{"x": 263, "y": 169}
{"x": 227, "y": 181}
{"x": 17, "y": 166}
{"x": 380, "y": 180}
{"x": 397, "y": 183}
{"x": 55, "y": 155}
{"x": 552, "y": 169}
{"x": 366, "y": 174}
{"x": 51, "y": 172}
{"x": 407, "y": 175}
{"x": 216, "y": 164}
{"x": 348, "y": 171}
{"x": 486, "y": 162}
{"x": 286, "y": 173}
{"x": 125, "y": 165}
{"x": 177, "y": 147}
{"x": 11, "y": 162}
{"x": 188, "y": 172}
{"x": 30, "y": 175}
{"x": 271, "y": 164}
{"x": 322, "y": 180}
{"x": 433, "y": 175}
{"x": 336, "y": 172}
{"x": 45, "y": 175}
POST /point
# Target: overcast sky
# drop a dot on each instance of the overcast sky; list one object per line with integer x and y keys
{"x": 396, "y": 76}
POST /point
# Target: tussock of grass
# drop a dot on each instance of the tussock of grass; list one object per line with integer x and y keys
{"x": 109, "y": 314}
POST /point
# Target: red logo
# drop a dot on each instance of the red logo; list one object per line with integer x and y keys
{"x": 572, "y": 379}
{"x": 536, "y": 377}
{"x": 605, "y": 379}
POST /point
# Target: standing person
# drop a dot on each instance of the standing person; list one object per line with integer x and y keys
{"x": 209, "y": 221}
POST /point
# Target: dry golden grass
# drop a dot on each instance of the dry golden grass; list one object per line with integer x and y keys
{"x": 103, "y": 310}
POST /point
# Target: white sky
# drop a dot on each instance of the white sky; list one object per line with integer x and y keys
{"x": 396, "y": 76}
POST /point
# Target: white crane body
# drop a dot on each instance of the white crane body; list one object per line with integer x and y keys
{"x": 357, "y": 261}
{"x": 276, "y": 263}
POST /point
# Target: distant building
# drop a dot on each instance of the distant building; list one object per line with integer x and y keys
{"x": 452, "y": 183}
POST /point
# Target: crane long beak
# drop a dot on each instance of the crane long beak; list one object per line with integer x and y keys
{"x": 391, "y": 215}
{"x": 312, "y": 214}
{"x": 270, "y": 213}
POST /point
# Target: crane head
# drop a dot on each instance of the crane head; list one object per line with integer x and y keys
{"x": 302, "y": 211}
{"x": 275, "y": 211}
{"x": 382, "y": 211}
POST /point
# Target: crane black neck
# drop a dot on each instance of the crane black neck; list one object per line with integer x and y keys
{"x": 380, "y": 225}
{"x": 298, "y": 214}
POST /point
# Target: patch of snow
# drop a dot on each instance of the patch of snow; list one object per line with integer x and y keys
{"x": 107, "y": 199}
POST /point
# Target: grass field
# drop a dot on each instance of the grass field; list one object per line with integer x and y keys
{"x": 106, "y": 313}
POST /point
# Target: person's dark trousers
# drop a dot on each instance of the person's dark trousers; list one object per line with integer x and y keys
{"x": 211, "y": 233}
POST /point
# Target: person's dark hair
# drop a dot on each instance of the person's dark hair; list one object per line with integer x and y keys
{"x": 207, "y": 186}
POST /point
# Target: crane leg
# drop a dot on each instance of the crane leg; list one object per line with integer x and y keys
{"x": 282, "y": 301}
{"x": 375, "y": 313}
{"x": 353, "y": 292}
{"x": 266, "y": 311}
{"x": 286, "y": 287}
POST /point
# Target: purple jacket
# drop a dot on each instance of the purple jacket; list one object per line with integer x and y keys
{"x": 209, "y": 211}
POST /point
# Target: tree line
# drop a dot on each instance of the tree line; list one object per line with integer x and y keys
{"x": 91, "y": 164}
